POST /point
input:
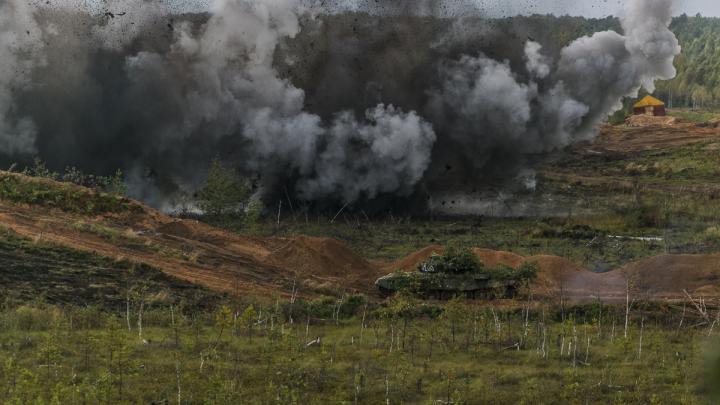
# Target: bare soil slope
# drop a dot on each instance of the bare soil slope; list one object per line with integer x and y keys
{"x": 623, "y": 139}
{"x": 411, "y": 261}
{"x": 668, "y": 275}
{"x": 193, "y": 251}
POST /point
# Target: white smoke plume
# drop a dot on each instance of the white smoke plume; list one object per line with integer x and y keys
{"x": 330, "y": 105}
{"x": 389, "y": 155}
{"x": 20, "y": 52}
{"x": 491, "y": 108}
{"x": 537, "y": 64}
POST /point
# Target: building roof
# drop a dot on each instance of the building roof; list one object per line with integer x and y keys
{"x": 649, "y": 101}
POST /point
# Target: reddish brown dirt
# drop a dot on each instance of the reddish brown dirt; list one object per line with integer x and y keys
{"x": 199, "y": 253}
{"x": 651, "y": 121}
{"x": 324, "y": 260}
{"x": 411, "y": 261}
{"x": 193, "y": 260}
{"x": 233, "y": 263}
{"x": 624, "y": 139}
{"x": 561, "y": 277}
{"x": 495, "y": 258}
{"x": 668, "y": 275}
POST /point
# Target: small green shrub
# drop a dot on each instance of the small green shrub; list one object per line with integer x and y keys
{"x": 454, "y": 261}
{"x": 224, "y": 191}
{"x": 253, "y": 211}
{"x": 525, "y": 273}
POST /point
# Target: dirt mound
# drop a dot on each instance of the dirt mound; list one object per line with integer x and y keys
{"x": 650, "y": 121}
{"x": 559, "y": 276}
{"x": 556, "y": 276}
{"x": 193, "y": 251}
{"x": 321, "y": 257}
{"x": 193, "y": 231}
{"x": 495, "y": 258}
{"x": 668, "y": 275}
{"x": 490, "y": 258}
{"x": 411, "y": 261}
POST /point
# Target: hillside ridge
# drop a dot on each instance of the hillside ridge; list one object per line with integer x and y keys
{"x": 233, "y": 263}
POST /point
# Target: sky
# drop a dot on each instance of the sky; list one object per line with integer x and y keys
{"x": 494, "y": 8}
{"x": 588, "y": 8}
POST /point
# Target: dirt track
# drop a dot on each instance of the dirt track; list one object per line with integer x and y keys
{"x": 622, "y": 139}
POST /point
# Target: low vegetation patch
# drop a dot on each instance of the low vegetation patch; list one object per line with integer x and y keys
{"x": 402, "y": 352}
{"x": 454, "y": 261}
{"x": 40, "y": 272}
{"x": 51, "y": 194}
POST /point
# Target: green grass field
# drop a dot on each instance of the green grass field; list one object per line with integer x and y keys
{"x": 694, "y": 115}
{"x": 467, "y": 355}
{"x": 79, "y": 329}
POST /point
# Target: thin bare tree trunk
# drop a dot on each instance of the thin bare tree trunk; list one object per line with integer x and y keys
{"x": 140, "y": 317}
{"x": 279, "y": 210}
{"x": 177, "y": 380}
{"x": 362, "y": 324}
{"x": 574, "y": 345}
{"x": 587, "y": 351}
{"x": 642, "y": 327}
{"x": 627, "y": 305}
{"x": 682, "y": 318}
{"x": 127, "y": 311}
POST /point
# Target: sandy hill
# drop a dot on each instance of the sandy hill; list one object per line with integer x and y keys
{"x": 668, "y": 275}
{"x": 411, "y": 261}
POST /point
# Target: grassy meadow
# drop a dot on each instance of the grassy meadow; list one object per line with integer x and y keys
{"x": 348, "y": 351}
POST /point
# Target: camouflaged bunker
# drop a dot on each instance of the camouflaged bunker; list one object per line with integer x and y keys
{"x": 458, "y": 274}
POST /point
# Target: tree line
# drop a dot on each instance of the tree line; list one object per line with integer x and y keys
{"x": 697, "y": 84}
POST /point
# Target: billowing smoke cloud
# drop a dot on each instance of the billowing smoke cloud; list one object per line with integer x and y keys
{"x": 391, "y": 155}
{"x": 232, "y": 83}
{"x": 339, "y": 106}
{"x": 491, "y": 110}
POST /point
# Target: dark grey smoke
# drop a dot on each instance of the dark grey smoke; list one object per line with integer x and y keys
{"x": 329, "y": 104}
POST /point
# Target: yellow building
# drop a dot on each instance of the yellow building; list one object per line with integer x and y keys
{"x": 649, "y": 105}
